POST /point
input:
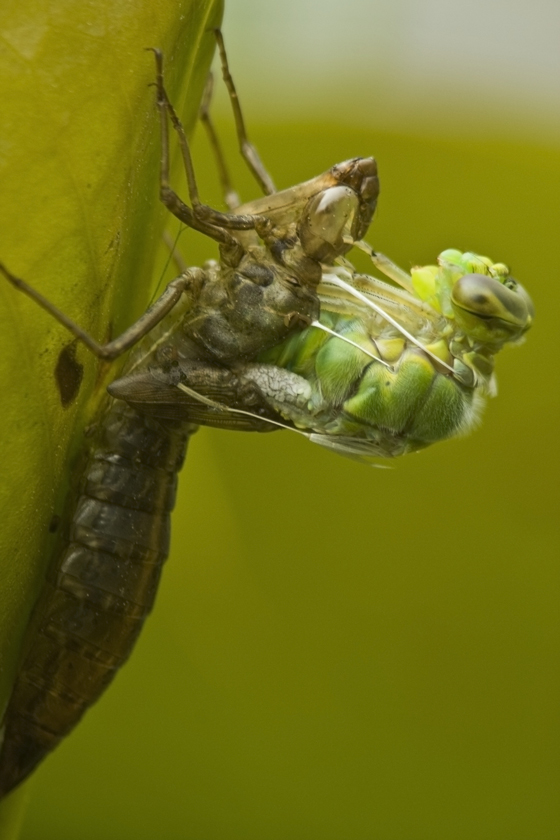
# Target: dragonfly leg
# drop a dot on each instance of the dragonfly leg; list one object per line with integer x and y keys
{"x": 200, "y": 217}
{"x": 167, "y": 195}
{"x": 386, "y": 266}
{"x": 189, "y": 280}
{"x": 248, "y": 151}
{"x": 231, "y": 198}
{"x": 392, "y": 270}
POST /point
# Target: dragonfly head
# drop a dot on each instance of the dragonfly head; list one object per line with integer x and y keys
{"x": 492, "y": 310}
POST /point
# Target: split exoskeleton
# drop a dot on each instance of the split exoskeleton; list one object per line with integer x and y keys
{"x": 102, "y": 584}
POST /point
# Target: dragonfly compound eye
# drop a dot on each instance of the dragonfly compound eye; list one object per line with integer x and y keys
{"x": 489, "y": 311}
{"x": 328, "y": 216}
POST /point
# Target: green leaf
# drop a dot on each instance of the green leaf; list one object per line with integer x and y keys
{"x": 81, "y": 222}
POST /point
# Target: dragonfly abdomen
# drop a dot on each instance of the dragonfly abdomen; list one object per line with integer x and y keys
{"x": 100, "y": 590}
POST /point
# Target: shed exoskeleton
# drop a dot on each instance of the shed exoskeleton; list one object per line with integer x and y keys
{"x": 102, "y": 585}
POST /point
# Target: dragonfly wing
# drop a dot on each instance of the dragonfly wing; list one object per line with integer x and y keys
{"x": 199, "y": 393}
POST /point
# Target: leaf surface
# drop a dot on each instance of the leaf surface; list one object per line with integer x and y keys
{"x": 80, "y": 220}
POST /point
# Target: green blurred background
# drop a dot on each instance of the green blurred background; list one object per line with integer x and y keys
{"x": 339, "y": 652}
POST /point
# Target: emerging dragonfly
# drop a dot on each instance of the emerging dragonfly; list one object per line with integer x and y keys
{"x": 280, "y": 333}
{"x": 384, "y": 371}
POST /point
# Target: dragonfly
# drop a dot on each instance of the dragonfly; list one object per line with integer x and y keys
{"x": 281, "y": 332}
{"x": 391, "y": 370}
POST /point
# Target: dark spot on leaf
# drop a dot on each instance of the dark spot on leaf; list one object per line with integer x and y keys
{"x": 68, "y": 374}
{"x": 54, "y": 523}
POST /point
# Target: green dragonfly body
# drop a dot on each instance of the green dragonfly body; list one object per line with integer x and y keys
{"x": 414, "y": 370}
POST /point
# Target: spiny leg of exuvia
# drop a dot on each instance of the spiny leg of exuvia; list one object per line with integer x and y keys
{"x": 190, "y": 341}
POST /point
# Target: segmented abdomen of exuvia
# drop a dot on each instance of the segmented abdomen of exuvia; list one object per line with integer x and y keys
{"x": 98, "y": 594}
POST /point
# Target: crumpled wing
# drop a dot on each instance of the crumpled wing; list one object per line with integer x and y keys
{"x": 211, "y": 392}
